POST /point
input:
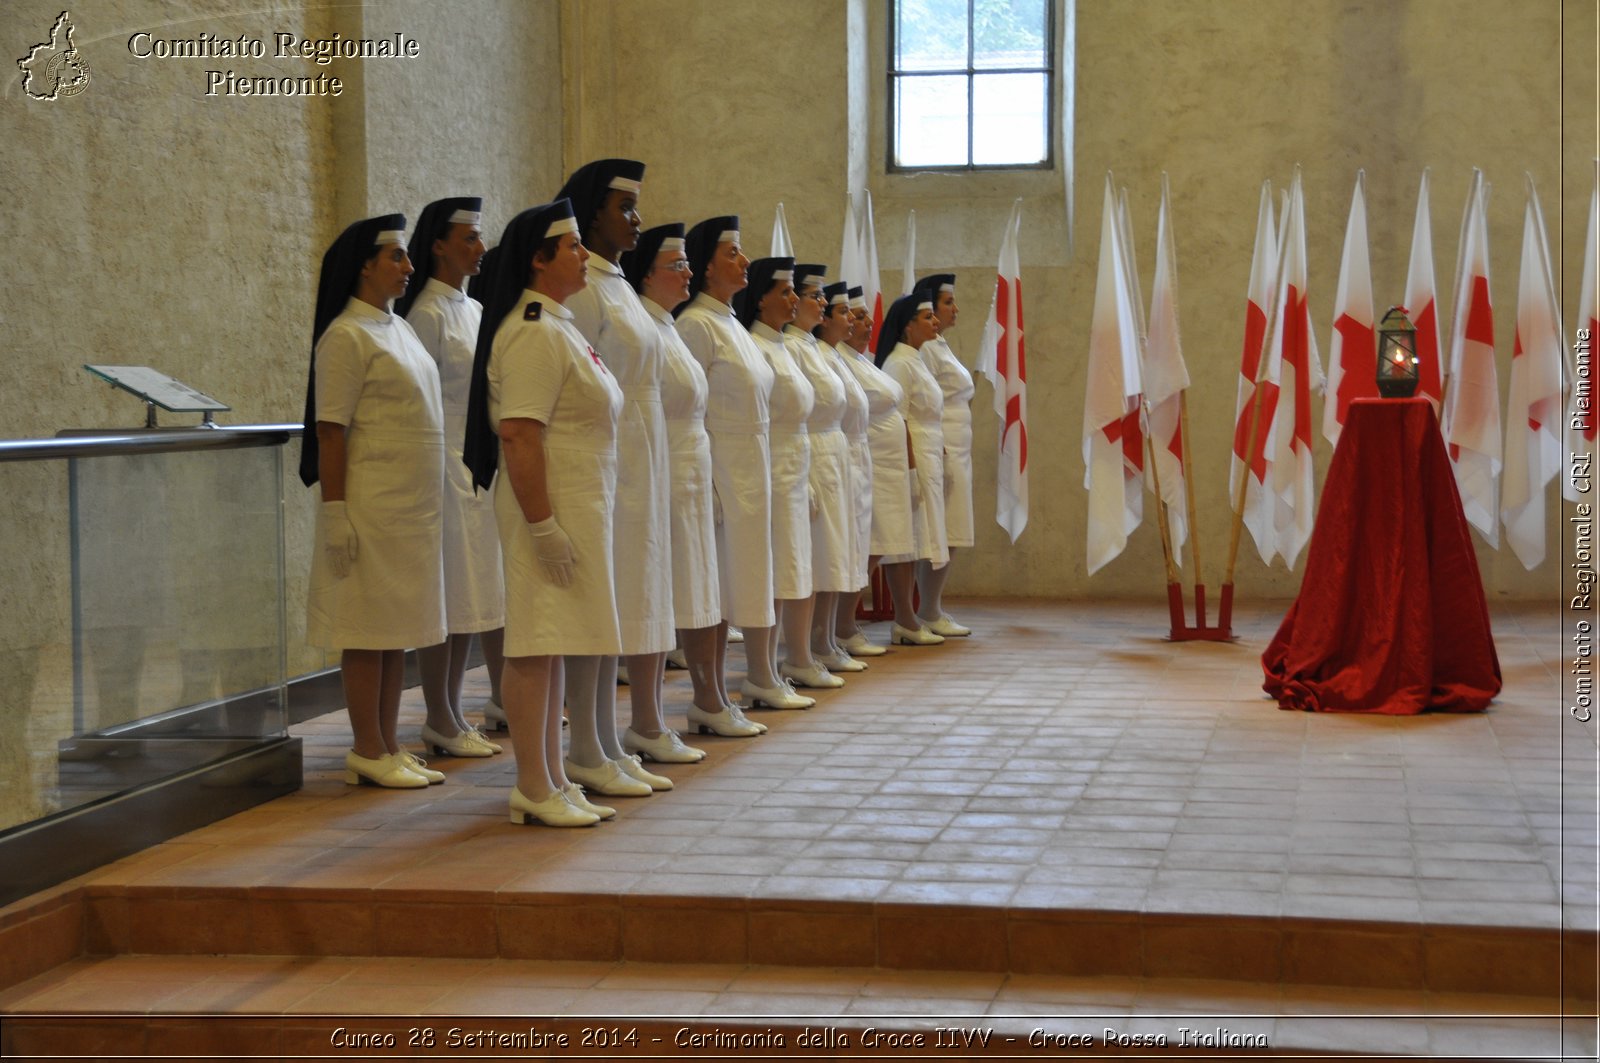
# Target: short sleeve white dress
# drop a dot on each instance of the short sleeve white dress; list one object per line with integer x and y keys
{"x": 374, "y": 377}
{"x": 542, "y": 369}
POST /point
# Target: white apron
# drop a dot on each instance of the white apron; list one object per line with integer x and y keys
{"x": 696, "y": 595}
{"x": 446, "y": 321}
{"x": 893, "y": 532}
{"x": 374, "y": 377}
{"x": 543, "y": 370}
{"x": 956, "y": 385}
{"x": 609, "y": 314}
{"x": 789, "y": 408}
{"x": 854, "y": 423}
{"x": 832, "y": 536}
{"x": 924, "y": 412}
{"x": 738, "y": 384}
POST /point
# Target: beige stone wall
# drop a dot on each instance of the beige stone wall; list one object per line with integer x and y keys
{"x": 150, "y": 224}
{"x": 1220, "y": 96}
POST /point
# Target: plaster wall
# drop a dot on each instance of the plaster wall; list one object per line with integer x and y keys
{"x": 1220, "y": 96}
{"x": 151, "y": 224}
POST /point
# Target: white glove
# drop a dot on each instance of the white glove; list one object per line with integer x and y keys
{"x": 716, "y": 507}
{"x": 338, "y": 538}
{"x": 554, "y": 550}
{"x": 811, "y": 500}
{"x": 916, "y": 488}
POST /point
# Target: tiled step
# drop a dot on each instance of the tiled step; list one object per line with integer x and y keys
{"x": 157, "y": 1003}
{"x": 109, "y": 919}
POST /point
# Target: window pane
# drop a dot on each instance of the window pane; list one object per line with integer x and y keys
{"x": 930, "y": 126}
{"x": 1008, "y": 33}
{"x": 1009, "y": 119}
{"x": 932, "y": 35}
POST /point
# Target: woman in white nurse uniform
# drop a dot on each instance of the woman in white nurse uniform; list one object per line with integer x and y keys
{"x": 906, "y": 327}
{"x": 956, "y": 385}
{"x": 738, "y": 383}
{"x": 448, "y": 249}
{"x": 765, "y": 307}
{"x": 605, "y": 198}
{"x": 658, "y": 269}
{"x": 832, "y": 539}
{"x": 831, "y": 626}
{"x": 374, "y": 438}
{"x": 544, "y": 410}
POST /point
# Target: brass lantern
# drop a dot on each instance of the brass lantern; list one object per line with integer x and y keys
{"x": 1397, "y": 355}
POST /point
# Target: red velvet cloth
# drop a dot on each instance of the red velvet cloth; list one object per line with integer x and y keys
{"x": 1391, "y": 616}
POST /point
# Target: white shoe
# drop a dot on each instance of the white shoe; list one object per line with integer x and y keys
{"x": 387, "y": 771}
{"x": 858, "y": 645}
{"x": 946, "y": 627}
{"x": 494, "y": 717}
{"x": 726, "y": 724}
{"x": 899, "y": 636}
{"x": 678, "y": 659}
{"x": 816, "y": 677}
{"x": 556, "y": 810}
{"x": 738, "y": 714}
{"x": 781, "y": 696}
{"x": 633, "y": 768}
{"x": 420, "y": 766}
{"x": 607, "y": 779}
{"x": 665, "y": 748}
{"x": 839, "y": 662}
{"x": 734, "y": 635}
{"x": 458, "y": 745}
{"x": 579, "y": 799}
{"x": 478, "y": 737}
{"x": 622, "y": 675}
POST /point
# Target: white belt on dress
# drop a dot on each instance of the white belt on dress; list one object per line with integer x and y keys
{"x": 429, "y": 436}
{"x": 736, "y": 428}
{"x": 641, "y": 393}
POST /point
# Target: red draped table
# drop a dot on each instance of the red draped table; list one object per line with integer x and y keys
{"x": 1391, "y": 616}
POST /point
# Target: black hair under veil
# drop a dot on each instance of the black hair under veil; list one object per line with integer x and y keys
{"x": 336, "y": 283}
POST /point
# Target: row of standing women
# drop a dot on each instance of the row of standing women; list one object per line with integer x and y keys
{"x": 635, "y": 440}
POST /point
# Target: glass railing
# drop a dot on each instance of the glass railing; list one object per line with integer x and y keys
{"x": 143, "y": 635}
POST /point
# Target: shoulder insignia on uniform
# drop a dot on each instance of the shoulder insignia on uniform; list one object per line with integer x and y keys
{"x": 533, "y": 311}
{"x": 597, "y": 360}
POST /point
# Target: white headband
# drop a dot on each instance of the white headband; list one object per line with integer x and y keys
{"x": 783, "y": 274}
{"x": 841, "y": 299}
{"x": 819, "y": 280}
{"x": 562, "y": 226}
{"x": 951, "y": 288}
{"x": 858, "y": 302}
{"x": 623, "y": 184}
{"x": 924, "y": 305}
{"x": 729, "y": 236}
{"x": 390, "y": 236}
{"x": 467, "y": 217}
{"x": 672, "y": 243}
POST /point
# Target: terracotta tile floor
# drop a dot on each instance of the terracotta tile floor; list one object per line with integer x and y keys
{"x": 1066, "y": 757}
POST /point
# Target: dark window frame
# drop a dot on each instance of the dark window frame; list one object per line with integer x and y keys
{"x": 892, "y": 97}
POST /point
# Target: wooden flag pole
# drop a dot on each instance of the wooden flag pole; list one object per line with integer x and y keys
{"x": 1174, "y": 589}
{"x": 1194, "y": 523}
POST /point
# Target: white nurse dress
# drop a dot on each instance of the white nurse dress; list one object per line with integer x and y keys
{"x": 374, "y": 377}
{"x": 788, "y": 410}
{"x": 955, "y": 382}
{"x": 542, "y": 369}
{"x": 446, "y": 320}
{"x": 924, "y": 413}
{"x": 696, "y": 595}
{"x": 609, "y": 314}
{"x": 738, "y": 383}
{"x": 832, "y": 539}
